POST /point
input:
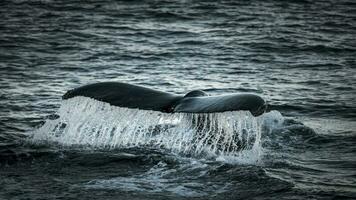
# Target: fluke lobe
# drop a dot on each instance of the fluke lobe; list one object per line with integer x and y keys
{"x": 196, "y": 101}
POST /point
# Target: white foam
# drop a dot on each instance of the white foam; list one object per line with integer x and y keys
{"x": 84, "y": 121}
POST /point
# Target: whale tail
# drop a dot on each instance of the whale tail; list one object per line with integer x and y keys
{"x": 197, "y": 101}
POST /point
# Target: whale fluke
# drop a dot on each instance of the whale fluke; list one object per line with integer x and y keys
{"x": 221, "y": 103}
{"x": 126, "y": 95}
{"x": 197, "y": 101}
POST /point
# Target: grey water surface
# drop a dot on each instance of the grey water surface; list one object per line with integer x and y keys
{"x": 299, "y": 55}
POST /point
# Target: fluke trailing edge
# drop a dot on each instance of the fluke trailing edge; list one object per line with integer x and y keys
{"x": 197, "y": 101}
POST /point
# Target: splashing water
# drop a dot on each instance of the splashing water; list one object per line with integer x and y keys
{"x": 87, "y": 122}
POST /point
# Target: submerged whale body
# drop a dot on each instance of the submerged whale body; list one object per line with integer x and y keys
{"x": 197, "y": 101}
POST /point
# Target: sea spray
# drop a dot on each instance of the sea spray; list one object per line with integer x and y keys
{"x": 87, "y": 122}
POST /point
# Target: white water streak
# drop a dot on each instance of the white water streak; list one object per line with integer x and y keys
{"x": 84, "y": 121}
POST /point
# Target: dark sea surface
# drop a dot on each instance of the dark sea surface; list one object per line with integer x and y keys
{"x": 298, "y": 55}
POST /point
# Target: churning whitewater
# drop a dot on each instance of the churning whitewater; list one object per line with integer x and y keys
{"x": 86, "y": 122}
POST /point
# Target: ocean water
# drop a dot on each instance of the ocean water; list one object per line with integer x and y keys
{"x": 298, "y": 55}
